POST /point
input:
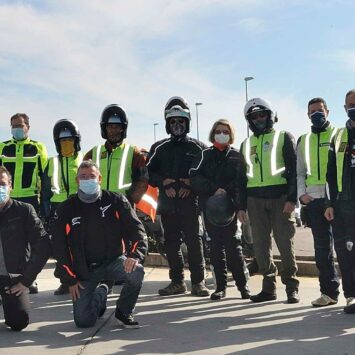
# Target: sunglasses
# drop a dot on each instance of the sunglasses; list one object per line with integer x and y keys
{"x": 224, "y": 131}
{"x": 256, "y": 115}
{"x": 177, "y": 120}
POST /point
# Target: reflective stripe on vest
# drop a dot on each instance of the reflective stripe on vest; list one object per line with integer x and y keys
{"x": 341, "y": 143}
{"x": 60, "y": 193}
{"x": 310, "y": 148}
{"x": 265, "y": 163}
{"x": 116, "y": 168}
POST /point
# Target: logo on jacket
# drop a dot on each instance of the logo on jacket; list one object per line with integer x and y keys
{"x": 104, "y": 209}
{"x": 75, "y": 220}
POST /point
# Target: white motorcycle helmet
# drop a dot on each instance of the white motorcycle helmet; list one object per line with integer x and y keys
{"x": 177, "y": 107}
{"x": 257, "y": 105}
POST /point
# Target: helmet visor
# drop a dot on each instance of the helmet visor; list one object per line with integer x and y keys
{"x": 177, "y": 111}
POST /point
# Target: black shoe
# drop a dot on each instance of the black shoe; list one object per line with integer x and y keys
{"x": 293, "y": 297}
{"x": 263, "y": 297}
{"x": 245, "y": 293}
{"x": 126, "y": 321}
{"x": 62, "y": 290}
{"x": 217, "y": 295}
{"x": 33, "y": 288}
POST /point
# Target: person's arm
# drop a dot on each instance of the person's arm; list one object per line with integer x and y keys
{"x": 290, "y": 158}
{"x": 140, "y": 177}
{"x": 133, "y": 231}
{"x": 240, "y": 193}
{"x": 331, "y": 177}
{"x": 61, "y": 226}
{"x": 46, "y": 192}
{"x": 40, "y": 246}
{"x": 153, "y": 161}
{"x": 199, "y": 183}
{"x": 88, "y": 155}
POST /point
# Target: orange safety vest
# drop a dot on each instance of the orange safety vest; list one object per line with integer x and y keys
{"x": 149, "y": 202}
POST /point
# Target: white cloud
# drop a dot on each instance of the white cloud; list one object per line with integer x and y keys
{"x": 74, "y": 57}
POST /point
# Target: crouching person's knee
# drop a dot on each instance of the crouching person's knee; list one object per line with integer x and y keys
{"x": 136, "y": 277}
{"x": 84, "y": 320}
{"x": 18, "y": 322}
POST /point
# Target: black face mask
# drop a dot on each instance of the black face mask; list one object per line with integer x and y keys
{"x": 177, "y": 126}
{"x": 351, "y": 113}
{"x": 318, "y": 119}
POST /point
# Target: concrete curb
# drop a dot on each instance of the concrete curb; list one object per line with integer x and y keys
{"x": 306, "y": 264}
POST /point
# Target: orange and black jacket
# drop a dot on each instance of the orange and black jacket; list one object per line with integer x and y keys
{"x": 20, "y": 228}
{"x": 116, "y": 221}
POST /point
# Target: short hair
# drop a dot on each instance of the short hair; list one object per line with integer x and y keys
{"x": 352, "y": 91}
{"x": 21, "y": 115}
{"x": 316, "y": 100}
{"x": 3, "y": 170}
{"x": 223, "y": 122}
{"x": 88, "y": 164}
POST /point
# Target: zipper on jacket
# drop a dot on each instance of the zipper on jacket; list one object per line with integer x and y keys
{"x": 261, "y": 159}
{"x": 67, "y": 166}
{"x": 318, "y": 135}
{"x": 109, "y": 169}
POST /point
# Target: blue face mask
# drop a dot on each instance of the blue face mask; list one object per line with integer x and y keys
{"x": 4, "y": 193}
{"x": 318, "y": 119}
{"x": 18, "y": 133}
{"x": 89, "y": 187}
{"x": 351, "y": 113}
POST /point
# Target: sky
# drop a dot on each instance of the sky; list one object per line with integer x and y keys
{"x": 69, "y": 59}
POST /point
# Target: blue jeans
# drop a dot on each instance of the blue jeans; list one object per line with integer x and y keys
{"x": 93, "y": 300}
{"x": 323, "y": 247}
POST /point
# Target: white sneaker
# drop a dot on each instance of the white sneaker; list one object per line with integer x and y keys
{"x": 323, "y": 301}
{"x": 350, "y": 301}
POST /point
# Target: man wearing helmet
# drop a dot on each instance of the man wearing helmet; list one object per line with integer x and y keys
{"x": 169, "y": 162}
{"x": 122, "y": 165}
{"x": 59, "y": 177}
{"x": 272, "y": 194}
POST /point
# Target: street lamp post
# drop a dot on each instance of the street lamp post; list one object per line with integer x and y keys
{"x": 197, "y": 104}
{"x": 155, "y": 136}
{"x": 246, "y": 79}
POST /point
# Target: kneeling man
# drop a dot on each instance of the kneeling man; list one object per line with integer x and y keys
{"x": 97, "y": 236}
{"x": 24, "y": 250}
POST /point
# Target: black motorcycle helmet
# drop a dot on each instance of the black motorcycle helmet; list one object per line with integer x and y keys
{"x": 219, "y": 210}
{"x": 113, "y": 114}
{"x": 177, "y": 107}
{"x": 66, "y": 129}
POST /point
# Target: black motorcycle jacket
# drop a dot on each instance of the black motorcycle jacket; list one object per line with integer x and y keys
{"x": 25, "y": 243}
{"x": 220, "y": 169}
{"x": 116, "y": 223}
{"x": 172, "y": 158}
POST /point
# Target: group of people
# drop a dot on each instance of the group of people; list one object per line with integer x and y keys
{"x": 88, "y": 206}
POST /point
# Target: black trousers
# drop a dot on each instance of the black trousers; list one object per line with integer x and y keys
{"x": 323, "y": 248}
{"x": 16, "y": 308}
{"x": 226, "y": 252}
{"x": 343, "y": 232}
{"x": 179, "y": 227}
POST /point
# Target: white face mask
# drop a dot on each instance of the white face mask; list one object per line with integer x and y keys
{"x": 222, "y": 138}
{"x": 4, "y": 193}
